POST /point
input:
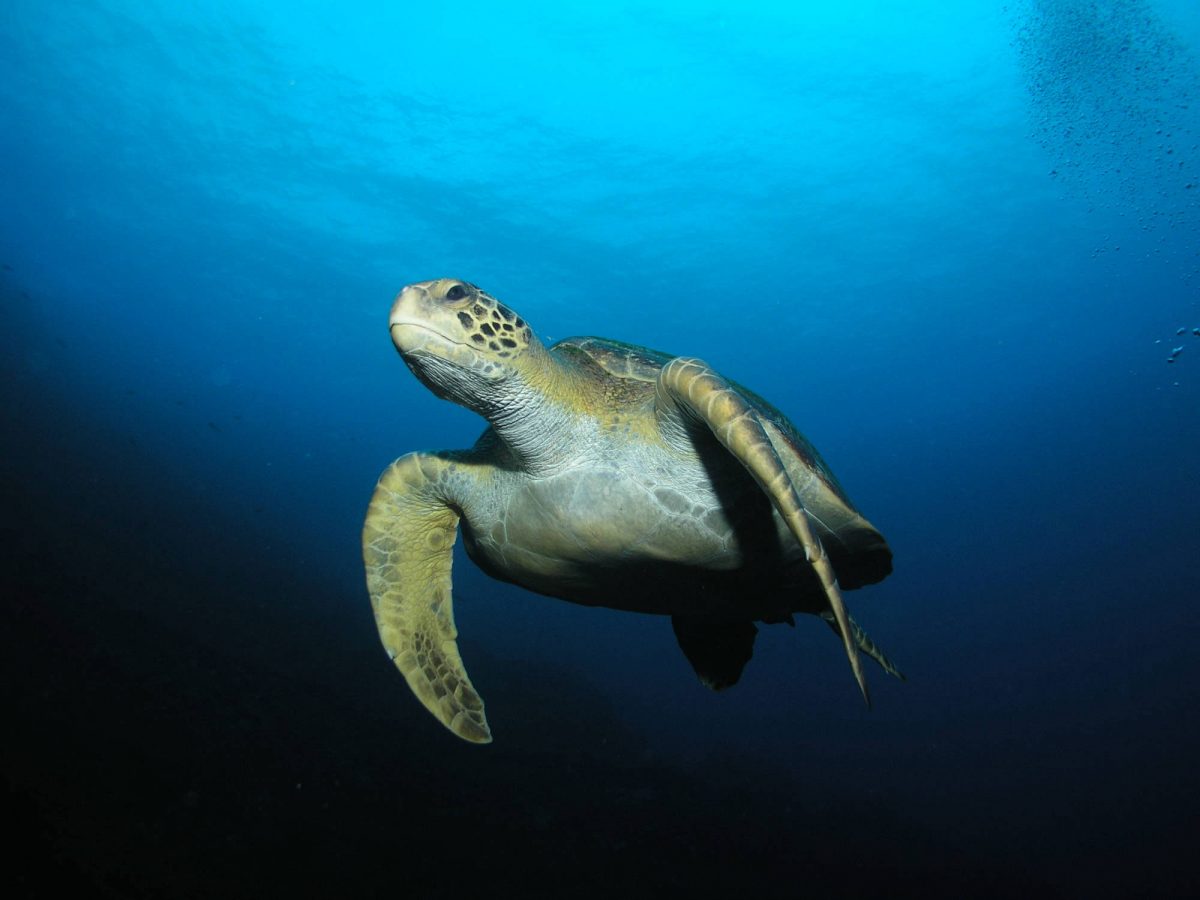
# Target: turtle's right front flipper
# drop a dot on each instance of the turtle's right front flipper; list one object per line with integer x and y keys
{"x": 408, "y": 539}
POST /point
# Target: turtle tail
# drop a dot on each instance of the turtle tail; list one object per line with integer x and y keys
{"x": 865, "y": 644}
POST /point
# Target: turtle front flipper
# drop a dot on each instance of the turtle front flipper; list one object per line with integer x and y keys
{"x": 408, "y": 541}
{"x": 695, "y": 388}
{"x": 866, "y": 645}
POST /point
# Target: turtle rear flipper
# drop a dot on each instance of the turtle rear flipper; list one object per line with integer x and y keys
{"x": 718, "y": 651}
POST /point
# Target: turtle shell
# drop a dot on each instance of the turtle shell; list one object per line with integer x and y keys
{"x": 859, "y": 553}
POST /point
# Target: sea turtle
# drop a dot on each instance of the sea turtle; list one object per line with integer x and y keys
{"x": 611, "y": 475}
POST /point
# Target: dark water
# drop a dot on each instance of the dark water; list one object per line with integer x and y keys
{"x": 955, "y": 246}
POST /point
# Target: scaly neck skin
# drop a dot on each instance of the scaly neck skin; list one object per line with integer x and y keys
{"x": 535, "y": 415}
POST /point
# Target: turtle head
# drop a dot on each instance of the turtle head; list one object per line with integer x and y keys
{"x": 463, "y": 344}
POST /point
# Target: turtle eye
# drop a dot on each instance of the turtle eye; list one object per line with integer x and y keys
{"x": 456, "y": 292}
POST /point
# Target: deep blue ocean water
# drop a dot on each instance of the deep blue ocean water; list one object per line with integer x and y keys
{"x": 957, "y": 243}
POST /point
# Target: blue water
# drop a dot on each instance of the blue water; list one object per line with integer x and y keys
{"x": 953, "y": 242}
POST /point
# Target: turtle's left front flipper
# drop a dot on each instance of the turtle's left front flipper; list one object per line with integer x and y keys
{"x": 865, "y": 644}
{"x": 694, "y": 387}
{"x": 408, "y": 541}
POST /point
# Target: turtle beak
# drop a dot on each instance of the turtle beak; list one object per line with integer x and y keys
{"x": 421, "y": 328}
{"x": 411, "y": 305}
{"x": 409, "y": 320}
